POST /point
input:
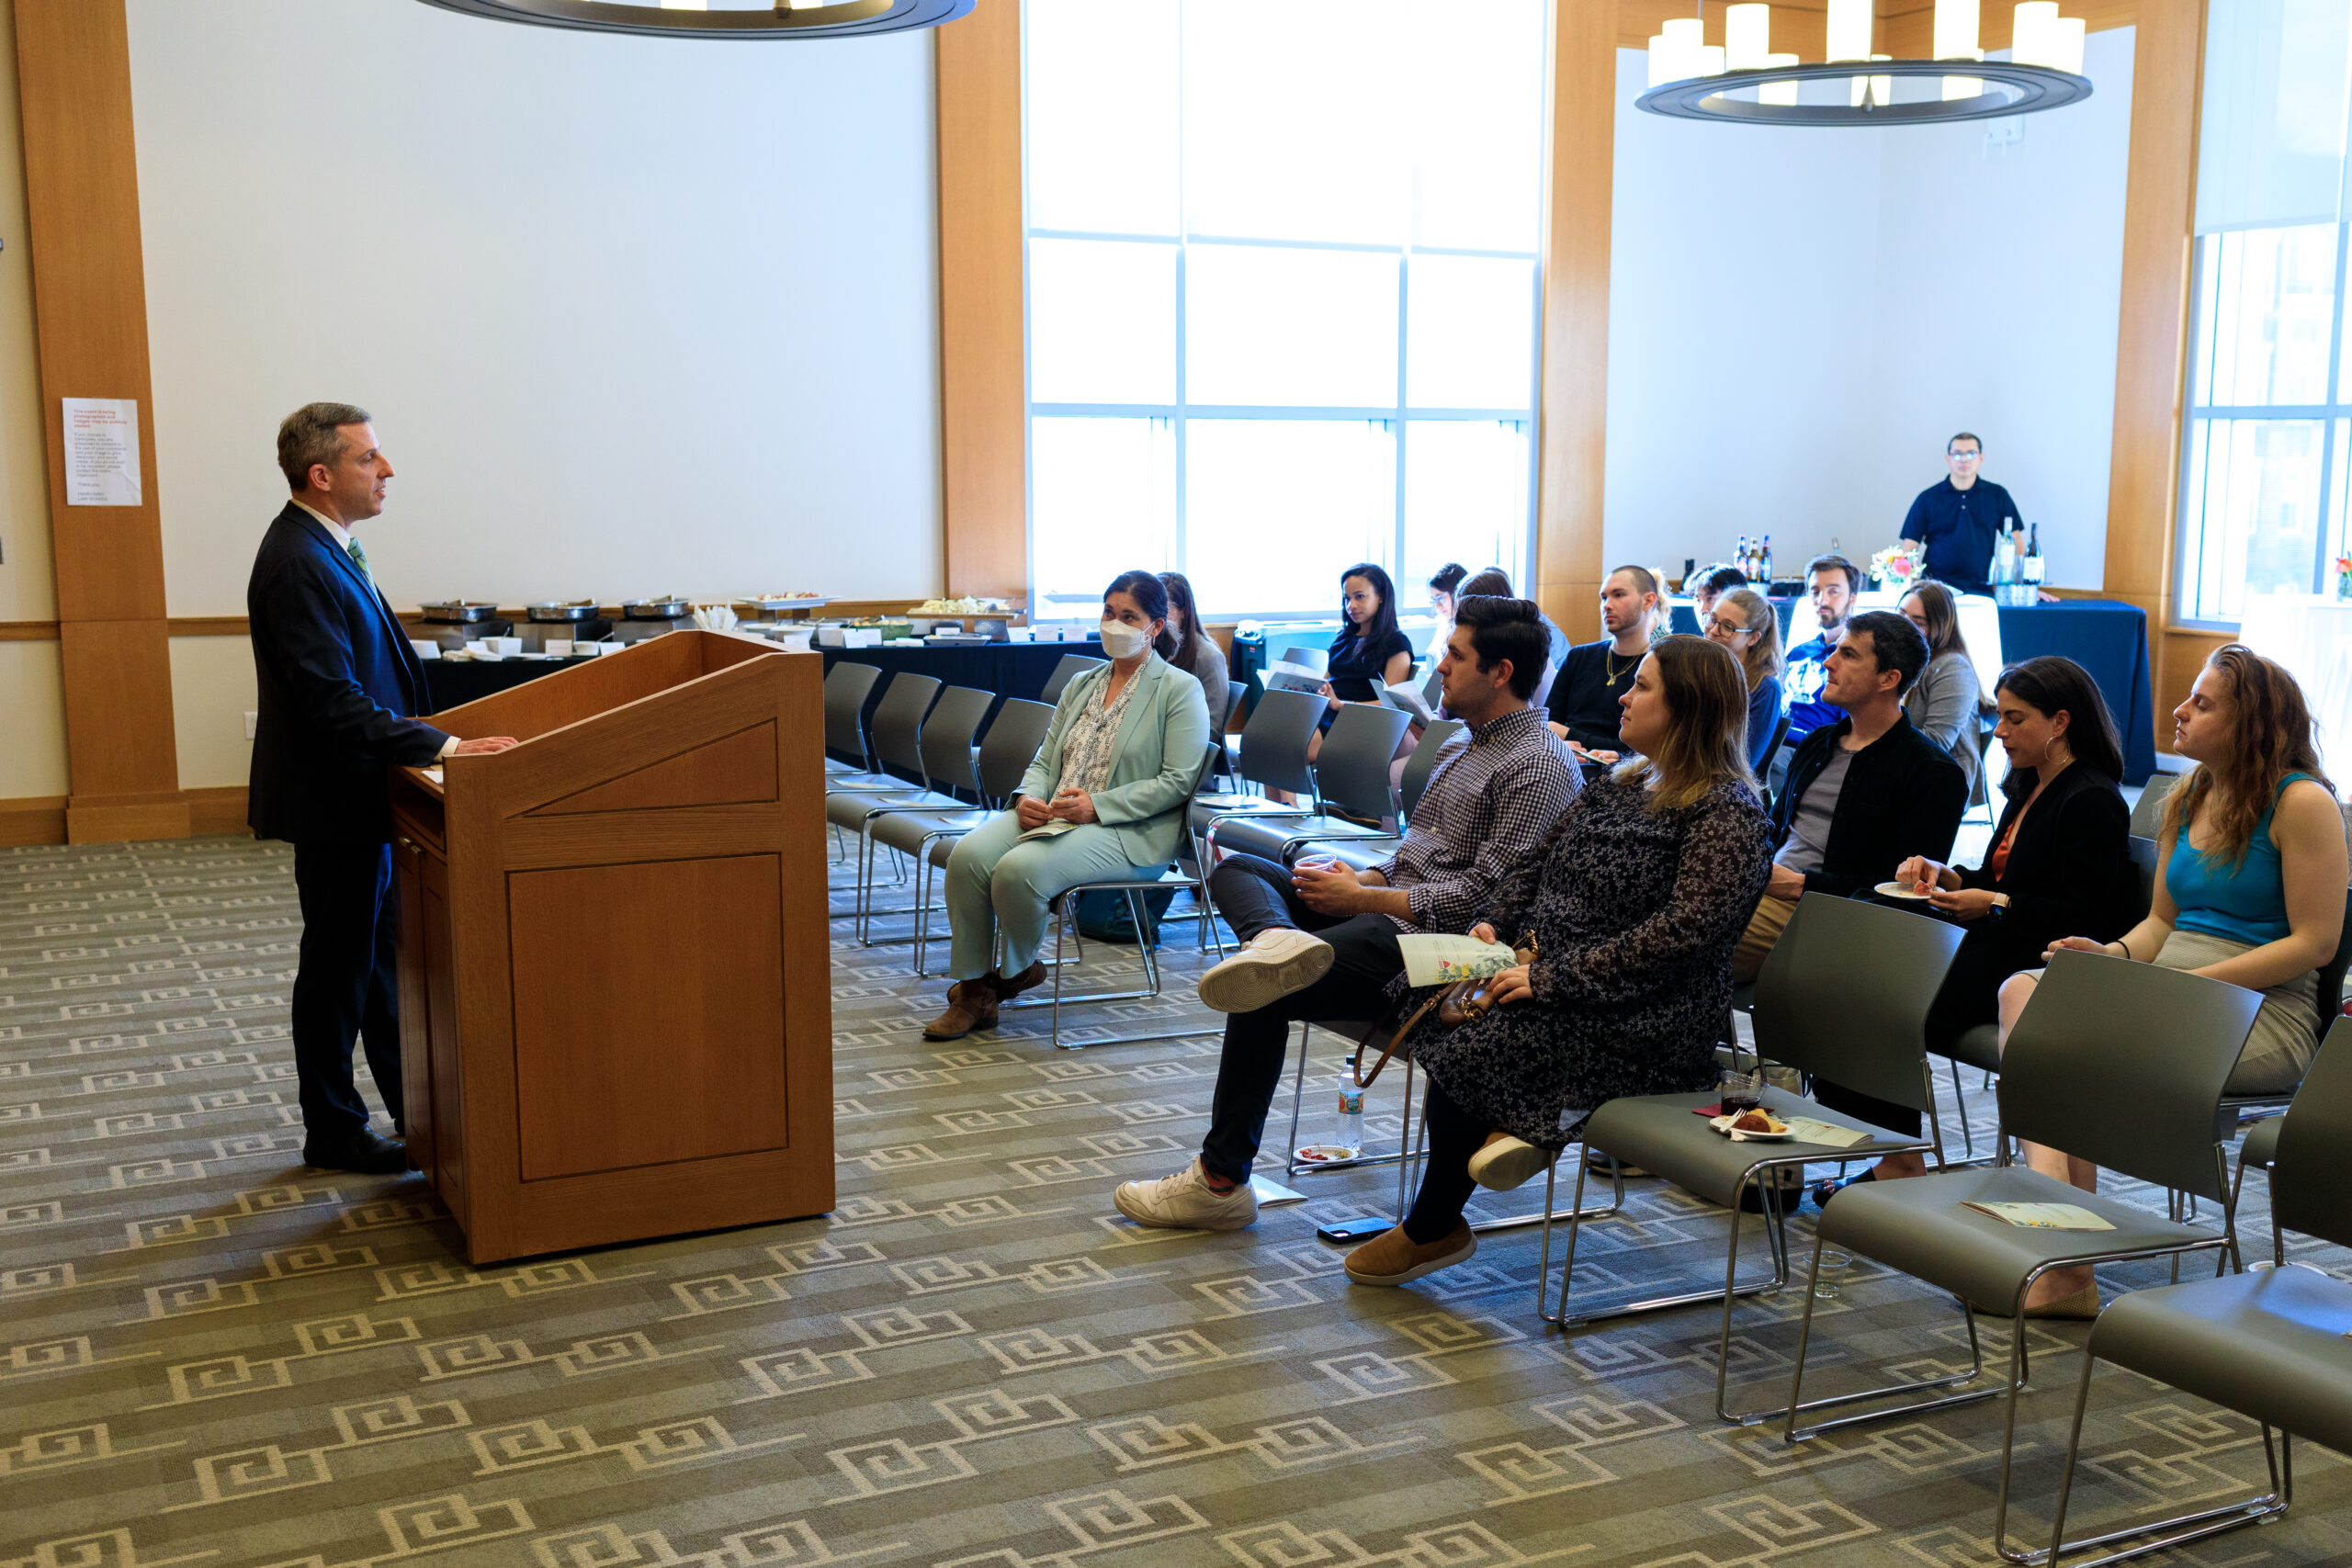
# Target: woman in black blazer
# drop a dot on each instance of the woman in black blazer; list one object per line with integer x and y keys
{"x": 2061, "y": 859}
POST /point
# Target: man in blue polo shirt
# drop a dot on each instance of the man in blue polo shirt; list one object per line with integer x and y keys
{"x": 1959, "y": 518}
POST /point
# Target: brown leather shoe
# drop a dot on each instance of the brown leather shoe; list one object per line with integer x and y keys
{"x": 1394, "y": 1257}
{"x": 971, "y": 1004}
{"x": 1028, "y": 979}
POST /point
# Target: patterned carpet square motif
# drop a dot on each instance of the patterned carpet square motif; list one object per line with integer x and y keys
{"x": 211, "y": 1354}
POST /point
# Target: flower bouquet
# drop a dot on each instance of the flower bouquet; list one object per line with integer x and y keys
{"x": 1897, "y": 566}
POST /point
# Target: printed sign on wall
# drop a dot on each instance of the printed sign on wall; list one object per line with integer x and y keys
{"x": 102, "y": 452}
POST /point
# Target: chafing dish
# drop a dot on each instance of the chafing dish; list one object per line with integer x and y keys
{"x": 457, "y": 612}
{"x": 670, "y": 609}
{"x": 568, "y": 611}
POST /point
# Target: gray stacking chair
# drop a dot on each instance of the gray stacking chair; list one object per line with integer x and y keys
{"x": 1981, "y": 1047}
{"x": 1311, "y": 657}
{"x": 2269, "y": 1344}
{"x": 2118, "y": 1063}
{"x": 1064, "y": 912}
{"x": 847, "y": 685}
{"x": 930, "y": 837}
{"x": 1351, "y": 775}
{"x": 2148, "y": 811}
{"x": 1073, "y": 666}
{"x": 1364, "y": 854}
{"x": 1273, "y": 756}
{"x": 897, "y": 743}
{"x": 2260, "y": 1149}
{"x": 896, "y": 738}
{"x": 1844, "y": 994}
{"x": 949, "y": 763}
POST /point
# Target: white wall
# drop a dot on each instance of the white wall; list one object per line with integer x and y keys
{"x": 634, "y": 315}
{"x": 1799, "y": 318}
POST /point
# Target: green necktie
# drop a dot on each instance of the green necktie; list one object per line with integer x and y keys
{"x": 360, "y": 556}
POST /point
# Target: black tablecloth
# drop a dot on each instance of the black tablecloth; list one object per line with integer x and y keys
{"x": 450, "y": 681}
{"x": 1017, "y": 670}
{"x": 1008, "y": 669}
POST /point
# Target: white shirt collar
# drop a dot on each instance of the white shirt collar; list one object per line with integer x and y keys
{"x": 341, "y": 535}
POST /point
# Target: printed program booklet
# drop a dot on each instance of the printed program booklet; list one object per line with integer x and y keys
{"x": 2042, "y": 1217}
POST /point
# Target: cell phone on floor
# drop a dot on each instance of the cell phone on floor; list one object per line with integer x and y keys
{"x": 1348, "y": 1231}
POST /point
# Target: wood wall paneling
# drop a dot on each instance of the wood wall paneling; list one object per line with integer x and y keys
{"x": 90, "y": 314}
{"x": 983, "y": 397}
{"x": 107, "y": 667}
{"x": 2159, "y": 218}
{"x": 1575, "y": 386}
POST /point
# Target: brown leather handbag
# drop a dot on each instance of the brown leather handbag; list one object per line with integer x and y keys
{"x": 1454, "y": 1005}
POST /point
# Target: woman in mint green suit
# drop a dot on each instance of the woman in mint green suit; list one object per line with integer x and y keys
{"x": 1104, "y": 799}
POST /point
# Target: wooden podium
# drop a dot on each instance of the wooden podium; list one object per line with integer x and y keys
{"x": 614, "y": 988}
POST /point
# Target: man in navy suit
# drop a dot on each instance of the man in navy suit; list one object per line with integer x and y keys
{"x": 340, "y": 687}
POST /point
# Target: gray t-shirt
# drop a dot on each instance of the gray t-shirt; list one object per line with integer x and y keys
{"x": 1808, "y": 844}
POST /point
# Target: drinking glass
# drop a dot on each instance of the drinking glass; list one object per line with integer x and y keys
{"x": 1739, "y": 1091}
{"x": 1830, "y": 1273}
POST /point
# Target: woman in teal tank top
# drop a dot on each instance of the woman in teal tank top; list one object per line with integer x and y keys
{"x": 2250, "y": 890}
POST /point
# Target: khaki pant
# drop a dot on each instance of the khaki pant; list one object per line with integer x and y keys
{"x": 1764, "y": 927}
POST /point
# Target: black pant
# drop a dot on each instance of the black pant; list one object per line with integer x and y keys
{"x": 1453, "y": 1137}
{"x": 348, "y": 984}
{"x": 1255, "y": 894}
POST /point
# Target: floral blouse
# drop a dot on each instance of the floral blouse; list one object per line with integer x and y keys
{"x": 1093, "y": 738}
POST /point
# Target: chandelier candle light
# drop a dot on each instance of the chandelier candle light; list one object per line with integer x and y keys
{"x": 1743, "y": 80}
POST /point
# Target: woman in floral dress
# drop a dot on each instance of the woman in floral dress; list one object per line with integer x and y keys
{"x": 1635, "y": 900}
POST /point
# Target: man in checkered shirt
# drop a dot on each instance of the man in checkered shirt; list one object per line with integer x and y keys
{"x": 1319, "y": 938}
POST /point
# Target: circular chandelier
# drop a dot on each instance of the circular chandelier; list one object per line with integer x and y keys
{"x": 694, "y": 19}
{"x": 1744, "y": 82}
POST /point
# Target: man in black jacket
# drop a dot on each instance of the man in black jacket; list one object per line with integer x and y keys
{"x": 338, "y": 686}
{"x": 1864, "y": 794}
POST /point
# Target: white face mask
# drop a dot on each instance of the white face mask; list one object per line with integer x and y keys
{"x": 1120, "y": 641}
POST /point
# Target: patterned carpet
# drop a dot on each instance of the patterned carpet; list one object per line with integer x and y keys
{"x": 211, "y": 1354}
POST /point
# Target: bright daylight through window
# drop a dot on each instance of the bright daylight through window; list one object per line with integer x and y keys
{"x": 2267, "y": 458}
{"x": 1282, "y": 294}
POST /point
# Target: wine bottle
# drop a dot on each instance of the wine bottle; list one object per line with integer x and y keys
{"x": 1740, "y": 559}
{"x": 2034, "y": 565}
{"x": 1764, "y": 575}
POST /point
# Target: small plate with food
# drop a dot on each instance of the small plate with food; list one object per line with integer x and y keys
{"x": 1902, "y": 890}
{"x": 1756, "y": 1126}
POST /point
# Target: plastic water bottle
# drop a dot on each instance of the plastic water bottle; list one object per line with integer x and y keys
{"x": 1347, "y": 1133}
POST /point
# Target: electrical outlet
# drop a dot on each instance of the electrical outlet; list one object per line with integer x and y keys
{"x": 2004, "y": 133}
{"x": 251, "y": 720}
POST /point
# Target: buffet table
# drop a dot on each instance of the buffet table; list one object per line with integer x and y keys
{"x": 1008, "y": 669}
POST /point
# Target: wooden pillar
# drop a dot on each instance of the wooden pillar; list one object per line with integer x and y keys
{"x": 1572, "y": 421}
{"x": 983, "y": 402}
{"x": 90, "y": 314}
{"x": 2159, "y": 223}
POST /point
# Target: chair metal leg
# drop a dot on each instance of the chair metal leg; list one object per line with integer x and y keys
{"x": 1791, "y": 1433}
{"x": 2209, "y": 1521}
{"x": 1063, "y": 912}
{"x": 1960, "y": 1101}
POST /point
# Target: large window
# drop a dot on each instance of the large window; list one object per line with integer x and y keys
{"x": 2267, "y": 458}
{"x": 1283, "y": 294}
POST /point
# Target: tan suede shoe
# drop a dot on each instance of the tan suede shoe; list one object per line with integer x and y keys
{"x": 971, "y": 1004}
{"x": 1393, "y": 1259}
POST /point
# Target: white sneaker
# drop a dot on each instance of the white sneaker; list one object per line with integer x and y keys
{"x": 1505, "y": 1162}
{"x": 1273, "y": 964}
{"x": 1185, "y": 1201}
